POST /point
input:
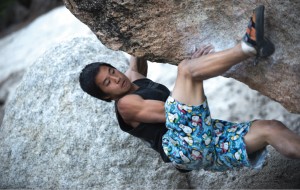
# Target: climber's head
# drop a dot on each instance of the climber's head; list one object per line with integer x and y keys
{"x": 88, "y": 83}
{"x": 103, "y": 81}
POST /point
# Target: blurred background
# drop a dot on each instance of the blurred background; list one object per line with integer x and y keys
{"x": 26, "y": 32}
{"x": 15, "y": 14}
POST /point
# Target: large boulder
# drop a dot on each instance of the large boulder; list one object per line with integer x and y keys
{"x": 55, "y": 136}
{"x": 168, "y": 31}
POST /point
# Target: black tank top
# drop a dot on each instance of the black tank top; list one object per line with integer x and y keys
{"x": 149, "y": 132}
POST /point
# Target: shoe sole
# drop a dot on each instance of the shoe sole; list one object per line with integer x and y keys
{"x": 259, "y": 26}
{"x": 267, "y": 49}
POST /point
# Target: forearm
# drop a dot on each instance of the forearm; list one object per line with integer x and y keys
{"x": 139, "y": 64}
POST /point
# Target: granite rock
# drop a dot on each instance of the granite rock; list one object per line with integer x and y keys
{"x": 168, "y": 31}
{"x": 55, "y": 136}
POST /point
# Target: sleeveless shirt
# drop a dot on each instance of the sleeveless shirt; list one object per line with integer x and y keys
{"x": 149, "y": 132}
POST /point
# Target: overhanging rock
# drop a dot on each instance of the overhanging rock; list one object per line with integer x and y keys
{"x": 168, "y": 31}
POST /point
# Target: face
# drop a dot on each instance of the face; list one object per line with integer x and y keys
{"x": 112, "y": 82}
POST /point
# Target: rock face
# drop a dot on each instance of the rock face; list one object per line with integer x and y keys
{"x": 55, "y": 136}
{"x": 168, "y": 31}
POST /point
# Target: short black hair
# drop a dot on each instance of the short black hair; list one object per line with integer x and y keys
{"x": 87, "y": 80}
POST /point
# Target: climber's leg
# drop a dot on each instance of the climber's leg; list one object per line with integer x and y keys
{"x": 274, "y": 133}
{"x": 189, "y": 88}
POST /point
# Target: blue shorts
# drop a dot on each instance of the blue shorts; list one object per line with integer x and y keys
{"x": 194, "y": 140}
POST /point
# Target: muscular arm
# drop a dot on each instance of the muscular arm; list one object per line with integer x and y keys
{"x": 138, "y": 68}
{"x": 135, "y": 109}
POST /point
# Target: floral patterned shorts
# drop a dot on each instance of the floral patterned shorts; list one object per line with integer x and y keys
{"x": 194, "y": 140}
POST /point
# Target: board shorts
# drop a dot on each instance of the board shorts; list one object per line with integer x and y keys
{"x": 196, "y": 141}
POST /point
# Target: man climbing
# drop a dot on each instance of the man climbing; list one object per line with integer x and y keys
{"x": 179, "y": 126}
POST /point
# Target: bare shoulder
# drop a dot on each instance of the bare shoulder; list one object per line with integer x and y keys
{"x": 129, "y": 99}
{"x": 132, "y": 75}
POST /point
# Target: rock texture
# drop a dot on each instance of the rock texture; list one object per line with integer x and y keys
{"x": 55, "y": 136}
{"x": 168, "y": 31}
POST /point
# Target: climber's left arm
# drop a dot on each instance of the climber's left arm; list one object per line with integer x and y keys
{"x": 138, "y": 68}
